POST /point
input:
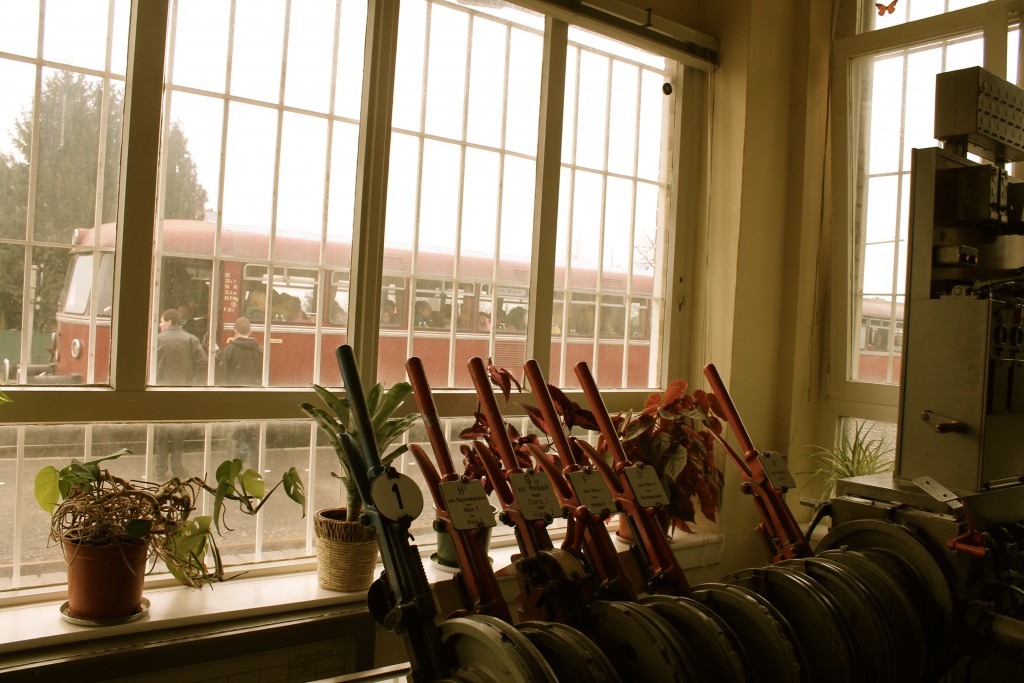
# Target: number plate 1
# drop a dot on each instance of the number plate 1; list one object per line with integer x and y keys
{"x": 396, "y": 496}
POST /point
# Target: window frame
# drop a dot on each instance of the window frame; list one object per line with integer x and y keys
{"x": 128, "y": 398}
{"x": 844, "y": 397}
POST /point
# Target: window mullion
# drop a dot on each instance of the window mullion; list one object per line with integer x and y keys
{"x": 140, "y": 143}
{"x": 372, "y": 182}
{"x": 545, "y": 207}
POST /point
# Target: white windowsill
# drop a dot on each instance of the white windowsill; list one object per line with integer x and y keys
{"x": 39, "y": 624}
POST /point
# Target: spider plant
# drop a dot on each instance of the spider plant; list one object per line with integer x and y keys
{"x": 854, "y": 454}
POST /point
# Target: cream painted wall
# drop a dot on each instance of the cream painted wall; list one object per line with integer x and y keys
{"x": 763, "y": 231}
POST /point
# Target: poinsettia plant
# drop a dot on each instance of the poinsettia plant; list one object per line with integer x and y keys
{"x": 675, "y": 434}
{"x": 570, "y": 413}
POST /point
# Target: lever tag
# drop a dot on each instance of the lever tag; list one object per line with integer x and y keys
{"x": 467, "y": 504}
{"x": 647, "y": 488}
{"x": 535, "y": 496}
{"x": 591, "y": 491}
{"x": 775, "y": 467}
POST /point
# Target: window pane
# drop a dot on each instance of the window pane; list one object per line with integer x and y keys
{"x": 896, "y": 115}
{"x": 876, "y": 14}
{"x": 60, "y": 150}
{"x": 258, "y": 201}
{"x": 612, "y": 212}
{"x": 280, "y": 532}
{"x": 460, "y": 197}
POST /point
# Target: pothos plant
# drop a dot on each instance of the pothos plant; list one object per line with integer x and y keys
{"x": 90, "y": 505}
{"x": 675, "y": 434}
{"x": 336, "y": 419}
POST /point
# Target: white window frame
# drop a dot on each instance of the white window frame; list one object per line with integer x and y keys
{"x": 129, "y": 399}
{"x": 843, "y": 397}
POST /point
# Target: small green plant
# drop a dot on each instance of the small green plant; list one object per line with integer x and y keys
{"x": 854, "y": 455}
{"x": 90, "y": 505}
{"x": 337, "y": 420}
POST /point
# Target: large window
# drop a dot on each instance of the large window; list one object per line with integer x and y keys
{"x": 249, "y": 186}
{"x": 884, "y": 79}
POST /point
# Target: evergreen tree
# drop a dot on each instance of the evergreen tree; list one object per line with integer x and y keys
{"x": 68, "y": 164}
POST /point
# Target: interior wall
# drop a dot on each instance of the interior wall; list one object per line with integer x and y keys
{"x": 759, "y": 285}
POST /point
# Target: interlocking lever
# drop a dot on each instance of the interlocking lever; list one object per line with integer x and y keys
{"x": 778, "y": 526}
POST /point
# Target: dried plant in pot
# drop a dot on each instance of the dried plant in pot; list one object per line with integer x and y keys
{"x": 346, "y": 549}
{"x": 675, "y": 434}
{"x": 109, "y": 527}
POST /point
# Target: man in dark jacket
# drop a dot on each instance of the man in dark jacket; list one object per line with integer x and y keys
{"x": 241, "y": 365}
{"x": 180, "y": 361}
{"x": 241, "y": 362}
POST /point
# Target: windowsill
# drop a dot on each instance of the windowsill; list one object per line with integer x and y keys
{"x": 39, "y": 624}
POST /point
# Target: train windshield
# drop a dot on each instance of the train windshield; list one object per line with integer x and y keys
{"x": 80, "y": 281}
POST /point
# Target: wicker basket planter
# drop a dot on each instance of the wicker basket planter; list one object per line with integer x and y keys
{"x": 346, "y": 552}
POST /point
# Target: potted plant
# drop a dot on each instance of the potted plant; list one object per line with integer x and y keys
{"x": 346, "y": 550}
{"x": 854, "y": 454}
{"x": 110, "y": 527}
{"x": 675, "y": 434}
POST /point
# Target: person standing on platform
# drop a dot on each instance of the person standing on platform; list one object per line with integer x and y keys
{"x": 241, "y": 365}
{"x": 180, "y": 361}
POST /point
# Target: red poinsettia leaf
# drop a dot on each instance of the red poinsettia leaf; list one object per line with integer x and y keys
{"x": 584, "y": 418}
{"x": 716, "y": 407}
{"x": 715, "y": 424}
{"x": 513, "y": 433}
{"x": 682, "y": 526}
{"x": 653, "y": 401}
{"x": 638, "y": 426}
{"x": 501, "y": 378}
{"x": 536, "y": 417}
{"x": 681, "y": 505}
{"x": 476, "y": 430}
{"x": 676, "y": 390}
{"x": 562, "y": 403}
{"x": 708, "y": 499}
{"x": 701, "y": 400}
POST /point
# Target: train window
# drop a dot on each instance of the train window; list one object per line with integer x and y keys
{"x": 337, "y": 301}
{"x": 392, "y": 302}
{"x": 432, "y": 308}
{"x": 485, "y": 308}
{"x": 513, "y": 305}
{"x": 293, "y": 299}
{"x": 76, "y": 297}
{"x": 438, "y": 302}
{"x": 465, "y": 307}
{"x": 639, "y": 318}
{"x": 557, "y": 313}
{"x": 254, "y": 293}
{"x": 582, "y": 314}
{"x": 612, "y": 319}
{"x": 185, "y": 285}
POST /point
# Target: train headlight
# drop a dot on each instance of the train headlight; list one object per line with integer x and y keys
{"x": 76, "y": 348}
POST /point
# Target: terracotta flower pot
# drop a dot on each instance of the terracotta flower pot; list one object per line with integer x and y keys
{"x": 346, "y": 552}
{"x": 105, "y": 581}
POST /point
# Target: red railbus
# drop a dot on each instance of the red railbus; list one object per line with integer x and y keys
{"x": 439, "y": 306}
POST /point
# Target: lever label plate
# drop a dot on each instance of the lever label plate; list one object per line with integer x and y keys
{"x": 396, "y": 496}
{"x": 647, "y": 487}
{"x": 535, "y": 496}
{"x": 467, "y": 504}
{"x": 777, "y": 470}
{"x": 591, "y": 491}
